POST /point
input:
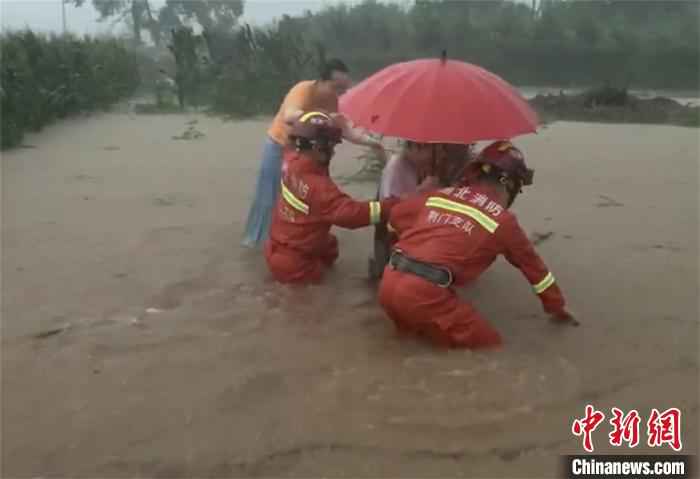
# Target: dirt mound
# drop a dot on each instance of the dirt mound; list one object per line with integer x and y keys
{"x": 608, "y": 104}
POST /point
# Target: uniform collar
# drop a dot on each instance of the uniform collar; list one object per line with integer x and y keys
{"x": 302, "y": 163}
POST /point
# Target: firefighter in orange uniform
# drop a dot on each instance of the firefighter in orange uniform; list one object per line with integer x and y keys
{"x": 448, "y": 238}
{"x": 301, "y": 246}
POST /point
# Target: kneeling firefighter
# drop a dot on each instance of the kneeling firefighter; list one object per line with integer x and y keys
{"x": 448, "y": 238}
{"x": 301, "y": 246}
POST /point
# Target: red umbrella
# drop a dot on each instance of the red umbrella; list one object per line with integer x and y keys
{"x": 439, "y": 101}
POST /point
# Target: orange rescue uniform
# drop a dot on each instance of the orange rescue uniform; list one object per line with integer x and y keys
{"x": 462, "y": 229}
{"x": 301, "y": 245}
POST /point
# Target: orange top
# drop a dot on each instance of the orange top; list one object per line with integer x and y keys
{"x": 304, "y": 96}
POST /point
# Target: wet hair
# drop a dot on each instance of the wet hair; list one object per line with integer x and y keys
{"x": 413, "y": 144}
{"x": 301, "y": 144}
{"x": 333, "y": 65}
{"x": 321, "y": 144}
{"x": 492, "y": 176}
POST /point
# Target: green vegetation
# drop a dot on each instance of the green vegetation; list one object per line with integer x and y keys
{"x": 625, "y": 43}
{"x": 564, "y": 43}
{"x": 45, "y": 78}
{"x": 629, "y": 43}
{"x": 244, "y": 72}
{"x": 240, "y": 71}
{"x": 211, "y": 15}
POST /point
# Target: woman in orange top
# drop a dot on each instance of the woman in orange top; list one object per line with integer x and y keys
{"x": 305, "y": 96}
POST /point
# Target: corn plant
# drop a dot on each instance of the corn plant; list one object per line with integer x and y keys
{"x": 44, "y": 78}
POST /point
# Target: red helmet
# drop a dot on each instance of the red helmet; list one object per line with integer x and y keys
{"x": 507, "y": 159}
{"x": 316, "y": 126}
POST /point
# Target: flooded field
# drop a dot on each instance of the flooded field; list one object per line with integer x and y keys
{"x": 140, "y": 339}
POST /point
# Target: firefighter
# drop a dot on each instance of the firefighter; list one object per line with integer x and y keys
{"x": 449, "y": 237}
{"x": 301, "y": 246}
{"x": 416, "y": 168}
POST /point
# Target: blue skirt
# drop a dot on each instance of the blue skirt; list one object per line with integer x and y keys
{"x": 260, "y": 216}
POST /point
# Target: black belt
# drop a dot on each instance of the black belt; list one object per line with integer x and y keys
{"x": 435, "y": 274}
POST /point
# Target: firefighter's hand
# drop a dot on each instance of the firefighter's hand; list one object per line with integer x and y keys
{"x": 391, "y": 200}
{"x": 387, "y": 204}
{"x": 339, "y": 118}
{"x": 378, "y": 150}
{"x": 564, "y": 317}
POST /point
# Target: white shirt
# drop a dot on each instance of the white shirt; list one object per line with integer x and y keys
{"x": 398, "y": 177}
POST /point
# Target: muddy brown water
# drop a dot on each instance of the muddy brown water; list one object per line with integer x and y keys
{"x": 140, "y": 339}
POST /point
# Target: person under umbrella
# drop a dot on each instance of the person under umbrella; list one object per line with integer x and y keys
{"x": 415, "y": 168}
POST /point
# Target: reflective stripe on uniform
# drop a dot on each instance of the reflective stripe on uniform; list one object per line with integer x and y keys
{"x": 295, "y": 202}
{"x": 308, "y": 115}
{"x": 375, "y": 212}
{"x": 449, "y": 205}
{"x": 544, "y": 284}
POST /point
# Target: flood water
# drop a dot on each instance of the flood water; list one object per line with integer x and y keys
{"x": 140, "y": 339}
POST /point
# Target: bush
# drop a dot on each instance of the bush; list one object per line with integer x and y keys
{"x": 44, "y": 78}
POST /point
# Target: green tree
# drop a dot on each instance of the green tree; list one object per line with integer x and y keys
{"x": 210, "y": 15}
{"x": 139, "y": 13}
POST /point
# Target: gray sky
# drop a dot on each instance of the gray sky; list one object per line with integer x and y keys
{"x": 45, "y": 15}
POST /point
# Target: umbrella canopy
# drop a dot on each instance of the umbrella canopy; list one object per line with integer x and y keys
{"x": 439, "y": 101}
